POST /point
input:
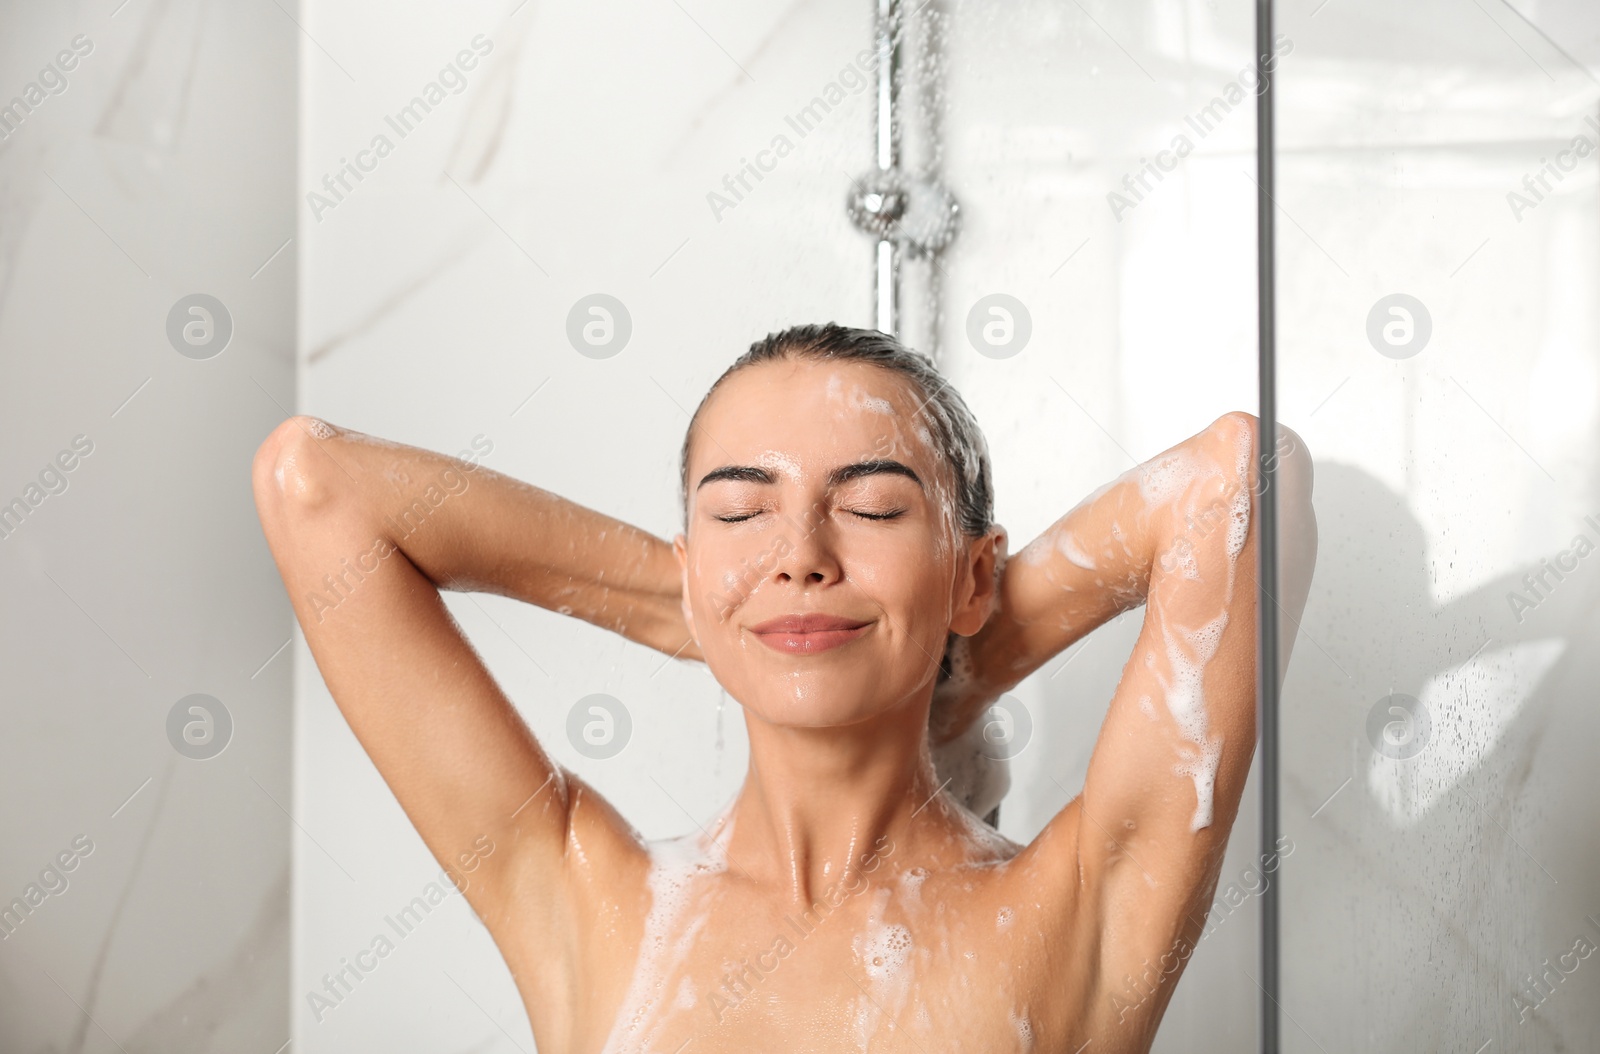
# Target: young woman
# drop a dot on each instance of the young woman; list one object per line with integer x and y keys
{"x": 838, "y": 569}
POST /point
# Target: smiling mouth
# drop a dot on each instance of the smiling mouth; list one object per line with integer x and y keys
{"x": 796, "y": 638}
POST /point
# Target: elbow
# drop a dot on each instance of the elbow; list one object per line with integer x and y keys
{"x": 290, "y": 472}
{"x": 1235, "y": 428}
{"x": 1294, "y": 469}
{"x": 1230, "y": 445}
{"x": 1292, "y": 477}
{"x": 1289, "y": 458}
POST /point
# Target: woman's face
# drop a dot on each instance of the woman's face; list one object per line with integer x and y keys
{"x": 815, "y": 490}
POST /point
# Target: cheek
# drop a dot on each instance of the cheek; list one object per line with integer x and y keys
{"x": 910, "y": 579}
{"x": 721, "y": 577}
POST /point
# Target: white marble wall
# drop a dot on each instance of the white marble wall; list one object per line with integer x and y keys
{"x": 146, "y": 154}
{"x": 577, "y": 159}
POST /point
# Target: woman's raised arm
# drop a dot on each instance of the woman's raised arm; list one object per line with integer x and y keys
{"x": 1139, "y": 849}
{"x": 471, "y": 529}
{"x": 365, "y": 532}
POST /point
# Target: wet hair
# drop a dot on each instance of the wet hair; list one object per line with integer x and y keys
{"x": 957, "y": 440}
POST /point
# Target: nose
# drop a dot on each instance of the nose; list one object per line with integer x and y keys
{"x": 807, "y": 553}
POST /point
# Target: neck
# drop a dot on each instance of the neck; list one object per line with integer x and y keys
{"x": 827, "y": 807}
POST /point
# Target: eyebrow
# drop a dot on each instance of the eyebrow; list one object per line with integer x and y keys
{"x": 838, "y": 477}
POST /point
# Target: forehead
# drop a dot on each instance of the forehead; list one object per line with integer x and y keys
{"x": 815, "y": 414}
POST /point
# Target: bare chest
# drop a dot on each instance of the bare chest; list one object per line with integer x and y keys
{"x": 952, "y": 962}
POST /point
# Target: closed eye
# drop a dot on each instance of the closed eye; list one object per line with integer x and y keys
{"x": 863, "y": 515}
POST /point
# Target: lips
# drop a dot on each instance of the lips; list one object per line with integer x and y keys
{"x": 808, "y": 634}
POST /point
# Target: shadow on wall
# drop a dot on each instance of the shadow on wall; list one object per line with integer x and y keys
{"x": 1450, "y": 866}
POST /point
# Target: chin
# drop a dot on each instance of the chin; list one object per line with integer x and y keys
{"x": 803, "y": 711}
{"x": 812, "y": 702}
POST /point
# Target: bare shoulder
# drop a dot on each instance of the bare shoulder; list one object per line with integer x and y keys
{"x": 607, "y": 857}
{"x": 564, "y": 971}
{"x": 604, "y": 858}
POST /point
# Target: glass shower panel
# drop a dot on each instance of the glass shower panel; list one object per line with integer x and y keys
{"x": 1103, "y": 158}
{"x": 1437, "y": 265}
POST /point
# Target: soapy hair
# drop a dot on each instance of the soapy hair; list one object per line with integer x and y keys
{"x": 957, "y": 439}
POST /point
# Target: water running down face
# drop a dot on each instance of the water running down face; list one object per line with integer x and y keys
{"x": 814, "y": 488}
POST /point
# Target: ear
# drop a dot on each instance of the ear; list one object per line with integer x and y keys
{"x": 981, "y": 575}
{"x": 681, "y": 551}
